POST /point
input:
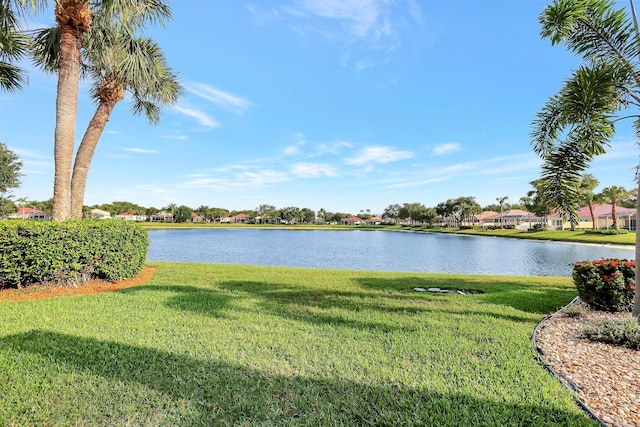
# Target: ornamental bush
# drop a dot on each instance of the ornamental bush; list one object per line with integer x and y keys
{"x": 606, "y": 284}
{"x": 70, "y": 253}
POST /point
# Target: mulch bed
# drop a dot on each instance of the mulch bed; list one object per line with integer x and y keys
{"x": 38, "y": 291}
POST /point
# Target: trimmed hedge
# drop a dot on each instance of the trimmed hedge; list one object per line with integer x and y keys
{"x": 70, "y": 253}
{"x": 606, "y": 284}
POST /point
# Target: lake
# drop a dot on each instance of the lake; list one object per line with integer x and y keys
{"x": 375, "y": 250}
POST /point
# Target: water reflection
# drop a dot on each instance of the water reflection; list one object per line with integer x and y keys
{"x": 375, "y": 250}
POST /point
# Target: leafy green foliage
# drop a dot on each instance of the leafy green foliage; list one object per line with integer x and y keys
{"x": 607, "y": 231}
{"x": 69, "y": 252}
{"x": 10, "y": 166}
{"x": 624, "y": 332}
{"x": 605, "y": 284}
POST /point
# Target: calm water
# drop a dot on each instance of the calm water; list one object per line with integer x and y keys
{"x": 375, "y": 250}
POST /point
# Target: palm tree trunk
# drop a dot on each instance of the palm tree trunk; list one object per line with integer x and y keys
{"x": 73, "y": 18}
{"x": 66, "y": 111}
{"x": 85, "y": 155}
{"x": 593, "y": 216}
{"x": 614, "y": 218}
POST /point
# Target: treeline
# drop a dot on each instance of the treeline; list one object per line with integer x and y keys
{"x": 458, "y": 209}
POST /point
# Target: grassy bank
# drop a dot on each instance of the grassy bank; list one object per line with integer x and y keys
{"x": 580, "y": 236}
{"x": 239, "y": 345}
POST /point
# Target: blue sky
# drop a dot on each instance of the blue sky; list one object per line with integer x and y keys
{"x": 343, "y": 105}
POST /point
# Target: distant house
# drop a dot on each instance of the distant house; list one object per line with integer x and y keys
{"x": 131, "y": 217}
{"x": 626, "y": 217}
{"x": 352, "y": 220}
{"x": 28, "y": 213}
{"x": 161, "y": 217}
{"x": 99, "y": 214}
{"x": 376, "y": 220}
{"x": 485, "y": 218}
{"x": 516, "y": 218}
{"x": 241, "y": 218}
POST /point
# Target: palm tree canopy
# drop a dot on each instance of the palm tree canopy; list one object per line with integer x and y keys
{"x": 578, "y": 122}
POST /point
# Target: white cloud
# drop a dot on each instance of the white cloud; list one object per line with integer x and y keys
{"x": 379, "y": 154}
{"x": 140, "y": 150}
{"x": 445, "y": 148}
{"x": 416, "y": 183}
{"x": 313, "y": 170}
{"x": 334, "y": 147}
{"x": 203, "y": 118}
{"x": 291, "y": 150}
{"x": 360, "y": 16}
{"x": 238, "y": 181}
{"x": 229, "y": 102}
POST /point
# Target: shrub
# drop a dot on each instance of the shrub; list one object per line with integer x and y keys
{"x": 625, "y": 332}
{"x": 605, "y": 284}
{"x": 70, "y": 252}
{"x": 607, "y": 231}
{"x": 574, "y": 310}
{"x": 539, "y": 227}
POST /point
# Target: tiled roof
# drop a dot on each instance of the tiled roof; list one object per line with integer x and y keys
{"x": 603, "y": 210}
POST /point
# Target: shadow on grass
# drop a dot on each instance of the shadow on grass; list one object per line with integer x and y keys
{"x": 537, "y": 299}
{"x": 190, "y": 298}
{"x": 201, "y": 392}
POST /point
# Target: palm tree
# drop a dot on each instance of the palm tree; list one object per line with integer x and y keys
{"x": 74, "y": 18}
{"x": 501, "y": 201}
{"x": 614, "y": 193}
{"x": 115, "y": 63}
{"x": 587, "y": 184}
{"x": 577, "y": 124}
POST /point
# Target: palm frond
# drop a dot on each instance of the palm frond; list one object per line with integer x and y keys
{"x": 11, "y": 77}
{"x": 45, "y": 48}
{"x": 561, "y": 175}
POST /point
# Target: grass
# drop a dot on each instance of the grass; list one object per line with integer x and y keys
{"x": 240, "y": 345}
{"x": 580, "y": 236}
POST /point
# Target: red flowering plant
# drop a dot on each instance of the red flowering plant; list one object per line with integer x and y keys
{"x": 606, "y": 284}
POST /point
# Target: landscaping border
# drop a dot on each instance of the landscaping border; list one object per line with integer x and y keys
{"x": 563, "y": 380}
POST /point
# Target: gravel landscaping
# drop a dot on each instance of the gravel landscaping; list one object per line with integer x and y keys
{"x": 605, "y": 378}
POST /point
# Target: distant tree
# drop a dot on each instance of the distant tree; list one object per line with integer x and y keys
{"x": 465, "y": 207}
{"x": 182, "y": 214}
{"x": 322, "y": 213}
{"x": 612, "y": 194}
{"x": 10, "y": 166}
{"x": 267, "y": 212}
{"x": 365, "y": 214}
{"x": 460, "y": 209}
{"x": 7, "y": 206}
{"x": 290, "y": 214}
{"x": 527, "y": 204}
{"x": 445, "y": 209}
{"x": 151, "y": 211}
{"x": 45, "y": 206}
{"x": 307, "y": 215}
{"x": 416, "y": 212}
{"x": 502, "y": 203}
{"x": 539, "y": 204}
{"x": 586, "y": 195}
{"x": 392, "y": 211}
{"x": 217, "y": 213}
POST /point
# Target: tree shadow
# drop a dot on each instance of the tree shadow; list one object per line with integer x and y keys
{"x": 219, "y": 393}
{"x": 190, "y": 298}
{"x": 541, "y": 299}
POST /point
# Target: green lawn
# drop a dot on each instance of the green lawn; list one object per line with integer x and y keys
{"x": 240, "y": 345}
{"x": 558, "y": 235}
